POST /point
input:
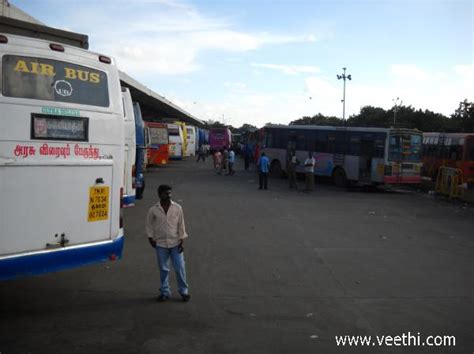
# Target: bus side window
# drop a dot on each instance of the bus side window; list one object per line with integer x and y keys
{"x": 331, "y": 142}
{"x": 379, "y": 144}
{"x": 353, "y": 143}
{"x": 456, "y": 153}
{"x": 268, "y": 139}
{"x": 310, "y": 137}
{"x": 300, "y": 142}
{"x": 321, "y": 141}
{"x": 281, "y": 138}
{"x": 340, "y": 143}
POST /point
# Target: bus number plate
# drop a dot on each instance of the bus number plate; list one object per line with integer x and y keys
{"x": 98, "y": 203}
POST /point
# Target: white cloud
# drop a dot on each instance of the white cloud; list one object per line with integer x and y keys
{"x": 289, "y": 69}
{"x": 168, "y": 39}
{"x": 409, "y": 71}
{"x": 236, "y": 86}
{"x": 466, "y": 71}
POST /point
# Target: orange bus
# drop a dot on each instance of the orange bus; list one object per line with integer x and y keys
{"x": 450, "y": 150}
{"x": 158, "y": 143}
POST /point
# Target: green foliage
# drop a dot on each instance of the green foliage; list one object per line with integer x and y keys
{"x": 406, "y": 116}
{"x": 318, "y": 119}
{"x": 464, "y": 116}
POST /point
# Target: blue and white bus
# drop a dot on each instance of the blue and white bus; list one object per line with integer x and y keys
{"x": 61, "y": 157}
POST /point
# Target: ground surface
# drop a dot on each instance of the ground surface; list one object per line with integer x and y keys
{"x": 274, "y": 271}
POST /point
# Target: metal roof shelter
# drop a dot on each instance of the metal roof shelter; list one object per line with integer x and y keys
{"x": 153, "y": 106}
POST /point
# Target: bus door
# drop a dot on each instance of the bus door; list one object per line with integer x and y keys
{"x": 290, "y": 149}
{"x": 366, "y": 156}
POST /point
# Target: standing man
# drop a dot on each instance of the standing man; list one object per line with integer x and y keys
{"x": 201, "y": 154}
{"x": 263, "y": 168}
{"x": 292, "y": 163}
{"x": 231, "y": 162}
{"x": 166, "y": 233}
{"x": 309, "y": 171}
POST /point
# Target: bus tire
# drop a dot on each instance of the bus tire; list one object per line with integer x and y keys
{"x": 339, "y": 178}
{"x": 275, "y": 169}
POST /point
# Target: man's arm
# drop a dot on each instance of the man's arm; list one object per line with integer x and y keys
{"x": 149, "y": 228}
{"x": 181, "y": 226}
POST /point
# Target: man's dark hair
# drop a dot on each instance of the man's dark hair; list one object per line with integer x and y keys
{"x": 163, "y": 188}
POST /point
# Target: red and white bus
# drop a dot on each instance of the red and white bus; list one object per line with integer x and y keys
{"x": 157, "y": 143}
{"x": 451, "y": 150}
{"x": 364, "y": 155}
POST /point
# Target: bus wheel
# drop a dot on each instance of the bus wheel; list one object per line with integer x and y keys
{"x": 339, "y": 177}
{"x": 275, "y": 169}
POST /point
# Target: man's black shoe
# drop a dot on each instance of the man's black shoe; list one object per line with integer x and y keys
{"x": 186, "y": 297}
{"x": 162, "y": 298}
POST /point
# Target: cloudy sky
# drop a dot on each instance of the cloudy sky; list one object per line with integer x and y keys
{"x": 259, "y": 61}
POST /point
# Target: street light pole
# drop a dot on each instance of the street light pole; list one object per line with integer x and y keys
{"x": 344, "y": 77}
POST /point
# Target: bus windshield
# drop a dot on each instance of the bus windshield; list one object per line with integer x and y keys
{"x": 53, "y": 80}
{"x": 405, "y": 147}
{"x": 159, "y": 136}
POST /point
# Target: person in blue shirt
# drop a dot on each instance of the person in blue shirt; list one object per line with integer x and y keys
{"x": 263, "y": 168}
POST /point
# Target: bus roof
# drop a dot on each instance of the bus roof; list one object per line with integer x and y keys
{"x": 448, "y": 135}
{"x": 37, "y": 44}
{"x": 335, "y": 128}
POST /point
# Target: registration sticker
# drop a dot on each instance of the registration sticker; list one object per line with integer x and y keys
{"x": 98, "y": 203}
{"x": 380, "y": 169}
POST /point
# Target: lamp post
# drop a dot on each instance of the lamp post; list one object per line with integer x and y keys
{"x": 344, "y": 77}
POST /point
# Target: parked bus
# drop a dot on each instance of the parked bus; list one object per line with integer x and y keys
{"x": 139, "y": 172}
{"x": 450, "y": 150}
{"x": 184, "y": 133}
{"x": 62, "y": 161}
{"x": 219, "y": 138}
{"x": 364, "y": 155}
{"x": 176, "y": 144}
{"x": 237, "y": 142}
{"x": 191, "y": 141}
{"x": 158, "y": 148}
{"x": 128, "y": 198}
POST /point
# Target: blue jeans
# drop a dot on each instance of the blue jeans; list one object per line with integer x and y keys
{"x": 177, "y": 259}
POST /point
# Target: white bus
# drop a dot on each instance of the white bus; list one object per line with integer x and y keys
{"x": 191, "y": 140}
{"x": 61, "y": 157}
{"x": 176, "y": 141}
{"x": 352, "y": 154}
{"x": 129, "y": 148}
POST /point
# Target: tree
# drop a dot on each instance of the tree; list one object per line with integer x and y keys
{"x": 317, "y": 119}
{"x": 463, "y": 117}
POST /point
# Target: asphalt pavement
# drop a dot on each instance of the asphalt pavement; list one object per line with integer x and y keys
{"x": 276, "y": 271}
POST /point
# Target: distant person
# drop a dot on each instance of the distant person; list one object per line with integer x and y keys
{"x": 201, "y": 154}
{"x": 217, "y": 161}
{"x": 225, "y": 160}
{"x": 166, "y": 233}
{"x": 292, "y": 163}
{"x": 231, "y": 162}
{"x": 263, "y": 169}
{"x": 309, "y": 171}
